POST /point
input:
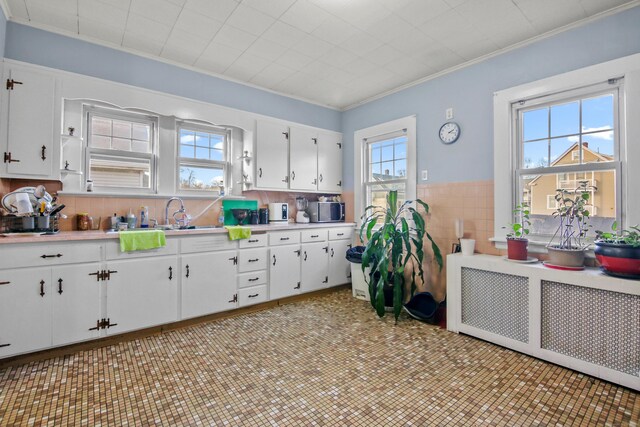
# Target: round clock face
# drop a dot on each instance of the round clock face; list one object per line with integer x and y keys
{"x": 449, "y": 132}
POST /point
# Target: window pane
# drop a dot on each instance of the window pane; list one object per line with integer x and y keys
{"x": 536, "y": 124}
{"x": 539, "y": 192}
{"x": 561, "y": 153}
{"x": 141, "y": 132}
{"x": 121, "y": 144}
{"x": 202, "y": 139}
{"x": 565, "y": 119}
{"x": 375, "y": 172}
{"x": 101, "y": 126}
{"x": 387, "y": 152}
{"x": 375, "y": 154}
{"x": 401, "y": 150}
{"x": 598, "y": 147}
{"x": 387, "y": 171}
{"x": 112, "y": 171}
{"x": 121, "y": 129}
{"x": 217, "y": 142}
{"x": 202, "y": 153}
{"x": 535, "y": 154}
{"x": 216, "y": 155}
{"x": 200, "y": 178}
{"x": 100, "y": 141}
{"x": 597, "y": 113}
{"x": 187, "y": 137}
{"x": 186, "y": 151}
{"x": 377, "y": 194}
{"x": 400, "y": 168}
{"x": 140, "y": 146}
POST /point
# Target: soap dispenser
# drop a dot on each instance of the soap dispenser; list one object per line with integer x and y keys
{"x": 144, "y": 217}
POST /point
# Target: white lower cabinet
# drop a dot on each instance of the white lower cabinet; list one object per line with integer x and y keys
{"x": 284, "y": 271}
{"x": 25, "y": 310}
{"x": 141, "y": 293}
{"x": 315, "y": 264}
{"x": 253, "y": 295}
{"x": 76, "y": 303}
{"x": 208, "y": 283}
{"x": 339, "y": 267}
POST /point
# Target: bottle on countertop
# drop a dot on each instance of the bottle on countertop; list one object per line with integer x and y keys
{"x": 144, "y": 217}
{"x": 114, "y": 221}
{"x": 221, "y": 218}
{"x": 131, "y": 220}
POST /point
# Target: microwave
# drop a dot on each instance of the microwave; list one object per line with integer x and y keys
{"x": 326, "y": 211}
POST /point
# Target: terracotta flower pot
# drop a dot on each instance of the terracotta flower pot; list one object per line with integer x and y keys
{"x": 566, "y": 257}
{"x": 619, "y": 259}
{"x": 517, "y": 249}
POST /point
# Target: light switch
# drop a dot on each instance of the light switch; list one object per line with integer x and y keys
{"x": 424, "y": 175}
{"x": 449, "y": 113}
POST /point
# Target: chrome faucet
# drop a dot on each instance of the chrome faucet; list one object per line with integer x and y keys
{"x": 166, "y": 209}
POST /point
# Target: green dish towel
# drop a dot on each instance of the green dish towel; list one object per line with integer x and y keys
{"x": 141, "y": 240}
{"x": 237, "y": 232}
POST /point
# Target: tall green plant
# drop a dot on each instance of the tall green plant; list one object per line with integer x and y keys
{"x": 389, "y": 249}
{"x": 573, "y": 214}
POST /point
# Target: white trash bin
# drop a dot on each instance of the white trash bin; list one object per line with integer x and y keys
{"x": 359, "y": 287}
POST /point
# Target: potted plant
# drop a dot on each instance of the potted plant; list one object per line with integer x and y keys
{"x": 392, "y": 244}
{"x": 618, "y": 252}
{"x": 516, "y": 239}
{"x": 573, "y": 215}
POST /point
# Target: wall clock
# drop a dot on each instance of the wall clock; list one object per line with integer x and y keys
{"x": 449, "y": 132}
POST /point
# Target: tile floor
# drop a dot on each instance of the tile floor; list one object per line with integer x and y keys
{"x": 327, "y": 361}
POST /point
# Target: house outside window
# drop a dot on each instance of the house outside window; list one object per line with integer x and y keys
{"x": 120, "y": 150}
{"x": 531, "y": 142}
{"x": 385, "y": 160}
{"x": 203, "y": 158}
{"x": 564, "y": 139}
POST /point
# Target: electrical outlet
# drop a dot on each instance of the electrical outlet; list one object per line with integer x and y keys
{"x": 424, "y": 175}
{"x": 449, "y": 113}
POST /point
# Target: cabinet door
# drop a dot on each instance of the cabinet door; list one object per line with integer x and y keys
{"x": 29, "y": 127}
{"x": 284, "y": 271}
{"x": 142, "y": 292}
{"x": 303, "y": 159}
{"x": 208, "y": 283}
{"x": 76, "y": 303}
{"x": 330, "y": 162}
{"x": 272, "y": 155}
{"x": 315, "y": 264}
{"x": 339, "y": 267}
{"x": 25, "y": 310}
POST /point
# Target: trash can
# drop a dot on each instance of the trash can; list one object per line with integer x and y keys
{"x": 359, "y": 287}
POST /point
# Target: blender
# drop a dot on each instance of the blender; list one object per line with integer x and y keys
{"x": 302, "y": 217}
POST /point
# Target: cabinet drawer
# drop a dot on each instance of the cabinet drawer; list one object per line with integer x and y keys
{"x": 341, "y": 233}
{"x": 113, "y": 250}
{"x": 216, "y": 242}
{"x": 315, "y": 235}
{"x": 253, "y": 295}
{"x": 284, "y": 238}
{"x": 252, "y": 279}
{"x": 255, "y": 241}
{"x": 252, "y": 260}
{"x": 43, "y": 254}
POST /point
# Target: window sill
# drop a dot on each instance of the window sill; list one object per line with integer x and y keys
{"x": 535, "y": 246}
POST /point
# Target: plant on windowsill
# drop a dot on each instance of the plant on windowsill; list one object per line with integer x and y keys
{"x": 618, "y": 252}
{"x": 573, "y": 215}
{"x": 517, "y": 238}
{"x": 392, "y": 245}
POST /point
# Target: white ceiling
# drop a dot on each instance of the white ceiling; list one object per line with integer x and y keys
{"x": 332, "y": 52}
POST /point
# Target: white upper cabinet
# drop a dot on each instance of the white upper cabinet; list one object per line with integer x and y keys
{"x": 330, "y": 162}
{"x": 27, "y": 118}
{"x": 272, "y": 155}
{"x": 303, "y": 159}
{"x": 298, "y": 158}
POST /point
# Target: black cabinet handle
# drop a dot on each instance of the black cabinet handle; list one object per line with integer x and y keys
{"x": 44, "y": 151}
{"x": 42, "y": 288}
{"x": 284, "y": 238}
{"x": 321, "y": 178}
{"x": 4, "y": 283}
{"x": 170, "y": 273}
{"x": 297, "y": 286}
{"x": 254, "y": 260}
{"x": 253, "y": 296}
{"x": 4, "y": 345}
{"x": 60, "y": 286}
{"x": 187, "y": 271}
{"x": 253, "y": 241}
{"x": 293, "y": 175}
{"x": 305, "y": 255}
{"x": 332, "y": 252}
{"x": 274, "y": 260}
{"x": 50, "y": 256}
{"x": 315, "y": 236}
{"x": 260, "y": 172}
{"x": 326, "y": 279}
{"x": 253, "y": 280}
{"x": 340, "y": 234}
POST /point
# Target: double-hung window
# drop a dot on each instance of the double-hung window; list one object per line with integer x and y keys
{"x": 121, "y": 152}
{"x": 563, "y": 140}
{"x": 203, "y": 157}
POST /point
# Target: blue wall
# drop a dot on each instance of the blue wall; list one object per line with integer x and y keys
{"x": 28, "y": 44}
{"x": 3, "y": 30}
{"x": 470, "y": 92}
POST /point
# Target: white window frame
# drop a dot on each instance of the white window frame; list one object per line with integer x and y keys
{"x": 360, "y": 159}
{"x": 115, "y": 114}
{"x": 225, "y": 164}
{"x": 629, "y": 130}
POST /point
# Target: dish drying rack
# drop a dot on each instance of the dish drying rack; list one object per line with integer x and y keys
{"x": 13, "y": 224}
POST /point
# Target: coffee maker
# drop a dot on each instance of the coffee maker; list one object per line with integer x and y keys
{"x": 302, "y": 217}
